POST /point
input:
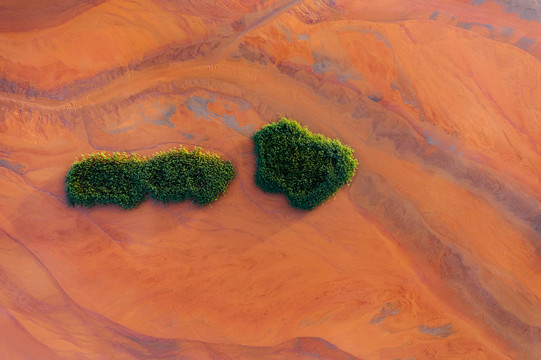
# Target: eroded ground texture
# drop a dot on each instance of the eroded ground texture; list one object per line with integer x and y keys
{"x": 432, "y": 252}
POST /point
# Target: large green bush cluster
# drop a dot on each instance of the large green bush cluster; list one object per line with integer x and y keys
{"x": 126, "y": 180}
{"x": 308, "y": 168}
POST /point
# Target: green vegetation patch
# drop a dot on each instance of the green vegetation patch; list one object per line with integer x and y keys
{"x": 99, "y": 179}
{"x": 308, "y": 168}
{"x": 179, "y": 175}
{"x": 126, "y": 180}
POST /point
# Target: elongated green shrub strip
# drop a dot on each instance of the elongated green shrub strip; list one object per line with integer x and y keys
{"x": 126, "y": 180}
{"x": 308, "y": 168}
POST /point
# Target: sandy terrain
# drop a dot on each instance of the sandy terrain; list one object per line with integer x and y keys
{"x": 432, "y": 252}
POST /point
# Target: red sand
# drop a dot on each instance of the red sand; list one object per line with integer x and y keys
{"x": 431, "y": 253}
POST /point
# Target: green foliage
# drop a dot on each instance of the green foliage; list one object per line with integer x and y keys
{"x": 308, "y": 168}
{"x": 179, "y": 175}
{"x": 126, "y": 180}
{"x": 99, "y": 179}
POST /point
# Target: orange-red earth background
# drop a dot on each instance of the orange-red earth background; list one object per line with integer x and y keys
{"x": 432, "y": 252}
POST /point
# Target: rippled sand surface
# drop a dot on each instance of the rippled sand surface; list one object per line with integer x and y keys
{"x": 432, "y": 252}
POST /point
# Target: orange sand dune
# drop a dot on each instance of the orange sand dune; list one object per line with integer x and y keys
{"x": 432, "y": 252}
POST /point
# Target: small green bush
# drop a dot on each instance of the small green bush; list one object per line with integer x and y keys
{"x": 308, "y": 168}
{"x": 126, "y": 180}
{"x": 99, "y": 179}
{"x": 179, "y": 175}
